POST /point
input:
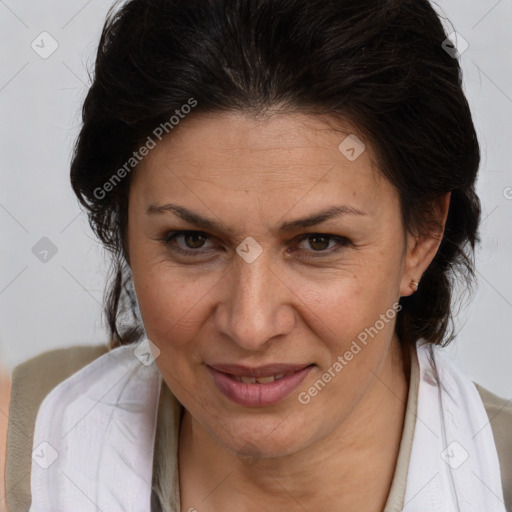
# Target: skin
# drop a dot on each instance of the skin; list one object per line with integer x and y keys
{"x": 338, "y": 452}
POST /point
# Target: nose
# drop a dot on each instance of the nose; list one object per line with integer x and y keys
{"x": 256, "y": 305}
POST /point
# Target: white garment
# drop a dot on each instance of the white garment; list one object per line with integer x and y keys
{"x": 454, "y": 464}
{"x": 99, "y": 427}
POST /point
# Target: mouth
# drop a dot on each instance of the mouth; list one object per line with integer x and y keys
{"x": 260, "y": 386}
{"x": 259, "y": 380}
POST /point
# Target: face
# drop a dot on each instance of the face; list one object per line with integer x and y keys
{"x": 234, "y": 282}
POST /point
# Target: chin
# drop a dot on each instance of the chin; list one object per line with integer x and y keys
{"x": 256, "y": 438}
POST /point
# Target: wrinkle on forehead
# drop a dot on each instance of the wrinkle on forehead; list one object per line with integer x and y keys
{"x": 286, "y": 148}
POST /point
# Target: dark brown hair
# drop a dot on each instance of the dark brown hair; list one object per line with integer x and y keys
{"x": 379, "y": 63}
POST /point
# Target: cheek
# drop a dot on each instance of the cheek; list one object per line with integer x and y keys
{"x": 348, "y": 311}
{"x": 333, "y": 305}
{"x": 351, "y": 297}
{"x": 172, "y": 306}
{"x": 173, "y": 301}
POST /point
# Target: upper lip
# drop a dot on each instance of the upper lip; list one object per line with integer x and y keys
{"x": 267, "y": 370}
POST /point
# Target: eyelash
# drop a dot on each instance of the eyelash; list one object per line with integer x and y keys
{"x": 172, "y": 235}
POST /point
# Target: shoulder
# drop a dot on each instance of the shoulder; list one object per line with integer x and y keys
{"x": 58, "y": 363}
{"x": 499, "y": 411}
{"x": 32, "y": 380}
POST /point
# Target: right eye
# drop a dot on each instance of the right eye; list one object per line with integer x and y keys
{"x": 192, "y": 240}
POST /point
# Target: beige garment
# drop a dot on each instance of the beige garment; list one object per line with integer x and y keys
{"x": 35, "y": 378}
{"x": 5, "y": 389}
{"x": 31, "y": 382}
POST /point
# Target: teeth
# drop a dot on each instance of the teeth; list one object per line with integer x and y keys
{"x": 265, "y": 380}
{"x": 259, "y": 380}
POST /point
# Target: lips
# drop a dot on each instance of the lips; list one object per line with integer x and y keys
{"x": 258, "y": 387}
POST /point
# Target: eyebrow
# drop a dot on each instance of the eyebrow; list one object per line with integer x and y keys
{"x": 289, "y": 226}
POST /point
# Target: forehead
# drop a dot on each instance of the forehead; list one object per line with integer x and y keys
{"x": 233, "y": 153}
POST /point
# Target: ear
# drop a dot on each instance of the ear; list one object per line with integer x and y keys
{"x": 422, "y": 248}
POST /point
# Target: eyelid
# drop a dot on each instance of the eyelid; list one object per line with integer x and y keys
{"x": 171, "y": 235}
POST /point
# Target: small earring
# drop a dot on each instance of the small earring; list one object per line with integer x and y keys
{"x": 413, "y": 285}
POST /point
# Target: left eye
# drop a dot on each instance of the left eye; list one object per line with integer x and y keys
{"x": 318, "y": 241}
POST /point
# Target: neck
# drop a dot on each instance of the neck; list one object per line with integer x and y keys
{"x": 350, "y": 469}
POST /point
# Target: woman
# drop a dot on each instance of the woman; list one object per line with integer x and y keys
{"x": 288, "y": 192}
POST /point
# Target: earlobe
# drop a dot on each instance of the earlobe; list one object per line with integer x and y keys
{"x": 421, "y": 249}
{"x": 413, "y": 285}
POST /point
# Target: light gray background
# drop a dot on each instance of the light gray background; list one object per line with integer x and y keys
{"x": 58, "y": 303}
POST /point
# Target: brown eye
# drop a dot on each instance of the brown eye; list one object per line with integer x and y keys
{"x": 319, "y": 242}
{"x": 186, "y": 242}
{"x": 322, "y": 245}
{"x": 194, "y": 240}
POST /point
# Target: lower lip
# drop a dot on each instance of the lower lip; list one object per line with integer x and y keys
{"x": 258, "y": 395}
